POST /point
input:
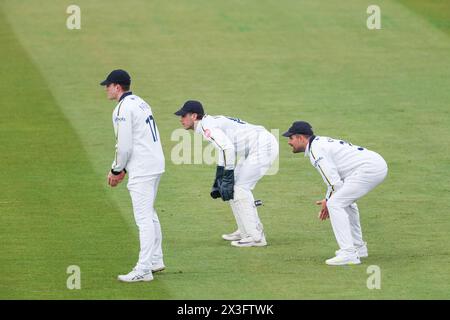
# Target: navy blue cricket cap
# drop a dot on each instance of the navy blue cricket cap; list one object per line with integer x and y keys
{"x": 190, "y": 106}
{"x": 117, "y": 76}
{"x": 299, "y": 127}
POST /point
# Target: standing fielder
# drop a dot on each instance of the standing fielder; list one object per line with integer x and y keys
{"x": 350, "y": 172}
{"x": 138, "y": 153}
{"x": 234, "y": 183}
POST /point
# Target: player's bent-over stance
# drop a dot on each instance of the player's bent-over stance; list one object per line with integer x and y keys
{"x": 138, "y": 154}
{"x": 257, "y": 149}
{"x": 350, "y": 172}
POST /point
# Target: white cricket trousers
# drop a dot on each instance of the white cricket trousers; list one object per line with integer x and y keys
{"x": 249, "y": 170}
{"x": 344, "y": 213}
{"x": 143, "y": 192}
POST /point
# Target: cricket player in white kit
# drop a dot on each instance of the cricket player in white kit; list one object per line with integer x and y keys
{"x": 235, "y": 179}
{"x": 138, "y": 154}
{"x": 350, "y": 172}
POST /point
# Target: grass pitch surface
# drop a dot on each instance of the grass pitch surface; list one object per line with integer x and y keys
{"x": 266, "y": 62}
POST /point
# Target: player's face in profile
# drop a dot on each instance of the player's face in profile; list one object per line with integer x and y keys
{"x": 187, "y": 121}
{"x": 297, "y": 142}
{"x": 111, "y": 91}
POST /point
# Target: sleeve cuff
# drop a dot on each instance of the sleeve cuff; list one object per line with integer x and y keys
{"x": 117, "y": 173}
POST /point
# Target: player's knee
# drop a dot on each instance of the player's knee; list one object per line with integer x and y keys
{"x": 354, "y": 206}
{"x": 241, "y": 192}
{"x": 144, "y": 221}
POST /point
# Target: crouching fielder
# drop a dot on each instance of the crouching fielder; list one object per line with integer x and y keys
{"x": 257, "y": 149}
{"x": 350, "y": 172}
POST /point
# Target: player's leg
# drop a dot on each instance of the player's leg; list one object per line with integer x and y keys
{"x": 143, "y": 214}
{"x": 374, "y": 175}
{"x": 355, "y": 226}
{"x": 252, "y": 170}
{"x": 341, "y": 224}
{"x": 356, "y": 232}
{"x": 157, "y": 255}
{"x": 354, "y": 187}
{"x": 240, "y": 231}
{"x": 340, "y": 221}
{"x": 244, "y": 205}
{"x": 142, "y": 196}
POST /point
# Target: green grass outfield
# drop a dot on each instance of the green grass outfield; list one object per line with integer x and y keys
{"x": 267, "y": 62}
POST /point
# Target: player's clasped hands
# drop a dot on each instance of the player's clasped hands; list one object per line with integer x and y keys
{"x": 114, "y": 180}
{"x": 323, "y": 214}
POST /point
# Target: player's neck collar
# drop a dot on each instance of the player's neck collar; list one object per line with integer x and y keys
{"x": 308, "y": 147}
{"x": 124, "y": 95}
{"x": 311, "y": 139}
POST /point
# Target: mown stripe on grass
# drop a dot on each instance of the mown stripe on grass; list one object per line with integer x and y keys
{"x": 437, "y": 12}
{"x": 53, "y": 210}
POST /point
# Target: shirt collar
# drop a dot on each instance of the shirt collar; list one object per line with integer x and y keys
{"x": 198, "y": 126}
{"x": 308, "y": 146}
{"x": 125, "y": 95}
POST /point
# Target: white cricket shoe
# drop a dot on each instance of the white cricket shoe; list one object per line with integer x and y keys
{"x": 343, "y": 259}
{"x": 361, "y": 250}
{"x": 157, "y": 267}
{"x": 135, "y": 276}
{"x": 235, "y": 236}
{"x": 250, "y": 242}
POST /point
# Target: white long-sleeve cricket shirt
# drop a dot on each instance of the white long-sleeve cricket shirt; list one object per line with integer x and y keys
{"x": 337, "y": 159}
{"x": 138, "y": 143}
{"x": 230, "y": 136}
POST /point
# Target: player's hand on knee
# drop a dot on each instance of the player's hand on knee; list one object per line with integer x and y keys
{"x": 226, "y": 187}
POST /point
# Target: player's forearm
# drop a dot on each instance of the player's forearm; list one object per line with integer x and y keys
{"x": 329, "y": 172}
{"x": 330, "y": 191}
{"x": 121, "y": 159}
{"x": 227, "y": 158}
{"x": 123, "y": 147}
{"x": 332, "y": 185}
